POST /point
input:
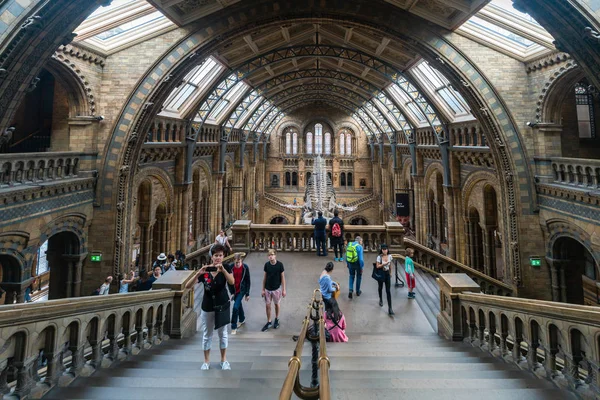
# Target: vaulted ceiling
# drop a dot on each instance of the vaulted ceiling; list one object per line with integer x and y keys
{"x": 447, "y": 13}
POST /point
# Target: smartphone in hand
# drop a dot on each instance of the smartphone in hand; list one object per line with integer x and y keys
{"x": 211, "y": 269}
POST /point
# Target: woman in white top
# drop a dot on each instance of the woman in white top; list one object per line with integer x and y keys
{"x": 384, "y": 261}
{"x": 223, "y": 240}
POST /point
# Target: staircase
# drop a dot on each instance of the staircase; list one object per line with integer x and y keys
{"x": 372, "y": 366}
{"x": 387, "y": 358}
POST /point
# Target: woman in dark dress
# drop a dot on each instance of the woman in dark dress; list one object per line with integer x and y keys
{"x": 215, "y": 304}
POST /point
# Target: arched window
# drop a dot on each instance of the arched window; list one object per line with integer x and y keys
{"x": 348, "y": 144}
{"x": 294, "y": 179}
{"x": 288, "y": 143}
{"x": 342, "y": 179}
{"x": 288, "y": 180}
{"x": 308, "y": 174}
{"x": 585, "y": 111}
{"x": 342, "y": 144}
{"x": 318, "y": 139}
{"x": 294, "y": 143}
{"x": 349, "y": 180}
{"x": 309, "y": 143}
{"x": 327, "y": 143}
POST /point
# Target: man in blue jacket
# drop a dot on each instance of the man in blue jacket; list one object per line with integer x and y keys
{"x": 320, "y": 236}
{"x": 356, "y": 263}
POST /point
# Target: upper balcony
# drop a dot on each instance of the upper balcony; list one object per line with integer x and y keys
{"x": 20, "y": 171}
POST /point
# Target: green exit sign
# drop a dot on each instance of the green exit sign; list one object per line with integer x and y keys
{"x": 535, "y": 261}
{"x": 96, "y": 257}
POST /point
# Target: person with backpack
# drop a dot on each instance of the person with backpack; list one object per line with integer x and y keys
{"x": 336, "y": 237}
{"x": 320, "y": 236}
{"x": 356, "y": 263}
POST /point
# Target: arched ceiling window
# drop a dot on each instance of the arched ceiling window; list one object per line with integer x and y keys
{"x": 318, "y": 139}
{"x": 328, "y": 143}
{"x": 309, "y": 143}
{"x": 195, "y": 84}
{"x": 500, "y": 26}
{"x": 342, "y": 142}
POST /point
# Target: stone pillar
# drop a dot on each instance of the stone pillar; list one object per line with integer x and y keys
{"x": 450, "y": 322}
{"x": 488, "y": 248}
{"x": 69, "y": 278}
{"x": 4, "y": 376}
{"x": 75, "y": 263}
{"x": 563, "y": 283}
{"x": 216, "y": 204}
{"x": 554, "y": 282}
{"x": 394, "y": 237}
{"x": 145, "y": 245}
{"x": 24, "y": 377}
{"x": 185, "y": 190}
{"x": 449, "y": 193}
{"x": 53, "y": 369}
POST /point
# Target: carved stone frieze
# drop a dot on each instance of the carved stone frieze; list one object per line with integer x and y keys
{"x": 156, "y": 154}
{"x": 82, "y": 54}
{"x": 547, "y": 61}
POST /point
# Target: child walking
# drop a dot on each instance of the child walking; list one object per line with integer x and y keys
{"x": 409, "y": 268}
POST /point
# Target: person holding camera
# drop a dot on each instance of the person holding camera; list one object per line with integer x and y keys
{"x": 215, "y": 304}
{"x": 384, "y": 263}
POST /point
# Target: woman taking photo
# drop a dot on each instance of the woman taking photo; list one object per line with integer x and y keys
{"x": 384, "y": 262}
{"x": 215, "y": 304}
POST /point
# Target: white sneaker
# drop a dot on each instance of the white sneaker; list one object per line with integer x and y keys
{"x": 225, "y": 365}
{"x": 240, "y": 324}
{"x": 234, "y": 331}
{"x": 205, "y": 366}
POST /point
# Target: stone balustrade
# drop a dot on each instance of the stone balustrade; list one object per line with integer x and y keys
{"x": 166, "y": 130}
{"x": 51, "y": 343}
{"x": 26, "y": 168}
{"x": 261, "y": 237}
{"x": 557, "y": 341}
{"x": 577, "y": 172}
{"x": 442, "y": 264}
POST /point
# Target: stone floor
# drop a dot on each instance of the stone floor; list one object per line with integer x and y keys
{"x": 363, "y": 313}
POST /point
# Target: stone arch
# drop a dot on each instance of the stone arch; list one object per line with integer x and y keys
{"x": 74, "y": 223}
{"x": 472, "y": 180}
{"x": 431, "y": 170}
{"x": 81, "y": 98}
{"x": 558, "y": 228}
{"x": 164, "y": 179}
{"x": 483, "y": 99}
{"x": 553, "y": 94}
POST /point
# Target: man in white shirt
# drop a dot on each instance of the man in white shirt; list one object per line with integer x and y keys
{"x": 104, "y": 289}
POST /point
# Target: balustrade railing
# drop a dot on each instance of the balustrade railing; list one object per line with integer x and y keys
{"x": 52, "y": 343}
{"x": 442, "y": 264}
{"x": 556, "y": 341}
{"x": 166, "y": 130}
{"x": 26, "y": 168}
{"x": 261, "y": 237}
{"x": 578, "y": 172}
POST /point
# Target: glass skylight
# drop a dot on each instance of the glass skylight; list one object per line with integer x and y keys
{"x": 407, "y": 104}
{"x": 128, "y": 26}
{"x": 230, "y": 99}
{"x": 196, "y": 82}
{"x": 500, "y": 31}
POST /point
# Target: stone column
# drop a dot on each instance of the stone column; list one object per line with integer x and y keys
{"x": 75, "y": 272}
{"x": 3, "y": 377}
{"x": 450, "y": 210}
{"x": 53, "y": 369}
{"x": 216, "y": 204}
{"x": 488, "y": 247}
{"x": 145, "y": 245}
{"x": 24, "y": 377}
{"x": 554, "y": 282}
{"x": 563, "y": 283}
{"x": 184, "y": 190}
{"x": 469, "y": 243}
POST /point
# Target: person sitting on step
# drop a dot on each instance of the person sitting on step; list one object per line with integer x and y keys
{"x": 335, "y": 322}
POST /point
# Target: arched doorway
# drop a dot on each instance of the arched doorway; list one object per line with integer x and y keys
{"x": 574, "y": 273}
{"x": 475, "y": 240}
{"x": 64, "y": 265}
{"x": 279, "y": 220}
{"x": 359, "y": 221}
{"x": 10, "y": 278}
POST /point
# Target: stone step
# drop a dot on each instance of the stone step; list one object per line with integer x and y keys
{"x": 338, "y": 381}
{"x": 174, "y": 392}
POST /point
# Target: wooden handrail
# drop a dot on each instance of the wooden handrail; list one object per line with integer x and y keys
{"x": 25, "y": 138}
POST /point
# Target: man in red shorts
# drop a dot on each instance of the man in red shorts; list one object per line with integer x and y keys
{"x": 273, "y": 288}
